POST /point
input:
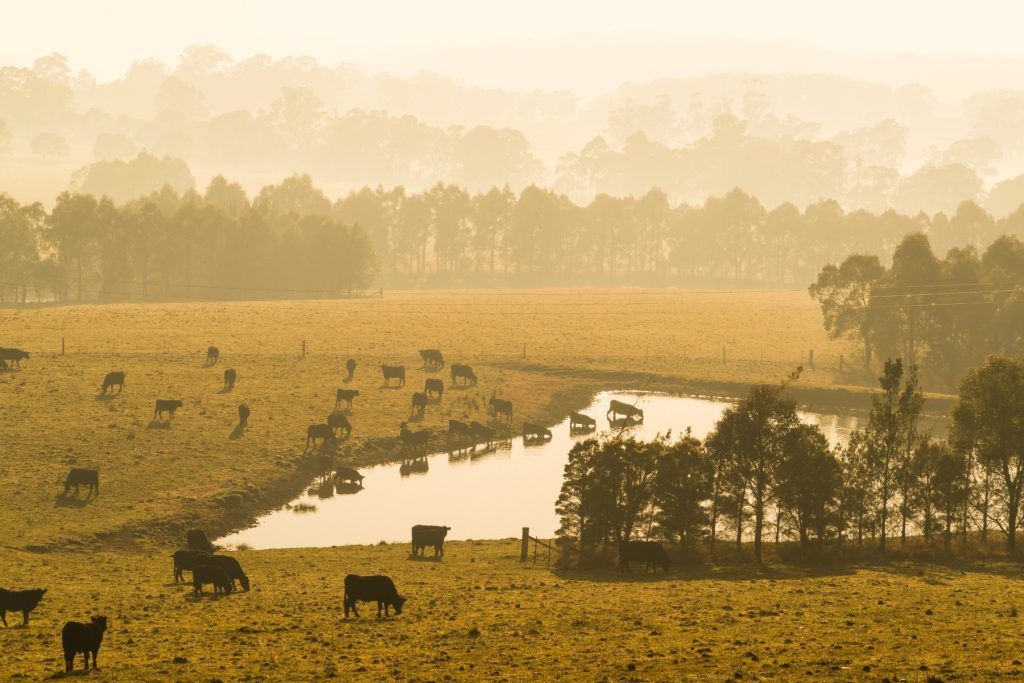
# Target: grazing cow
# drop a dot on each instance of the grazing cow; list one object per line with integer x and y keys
{"x": 414, "y": 442}
{"x": 111, "y": 380}
{"x": 187, "y": 560}
{"x": 347, "y": 475}
{"x": 501, "y": 408}
{"x": 651, "y": 553}
{"x": 617, "y": 408}
{"x": 212, "y": 574}
{"x": 231, "y": 568}
{"x": 319, "y": 431}
{"x": 419, "y": 403}
{"x": 481, "y": 432}
{"x": 379, "y": 589}
{"x": 463, "y": 371}
{"x": 581, "y": 421}
{"x": 212, "y": 355}
{"x": 393, "y": 372}
{"x": 434, "y": 386}
{"x": 532, "y": 431}
{"x": 432, "y": 358}
{"x": 229, "y": 378}
{"x": 345, "y": 395}
{"x": 196, "y": 540}
{"x": 15, "y": 356}
{"x": 86, "y": 639}
{"x": 424, "y": 535}
{"x": 459, "y": 432}
{"x": 166, "y": 405}
{"x": 79, "y": 477}
{"x": 243, "y": 415}
{"x": 19, "y": 601}
{"x": 350, "y": 367}
{"x": 338, "y": 421}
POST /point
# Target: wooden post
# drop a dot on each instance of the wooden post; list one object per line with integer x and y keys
{"x": 62, "y": 346}
{"x": 524, "y": 350}
{"x": 810, "y": 358}
{"x": 303, "y": 348}
{"x": 840, "y": 362}
{"x": 524, "y": 551}
{"x": 723, "y": 354}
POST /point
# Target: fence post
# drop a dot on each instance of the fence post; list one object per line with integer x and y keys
{"x": 840, "y": 362}
{"x": 810, "y": 358}
{"x": 62, "y": 346}
{"x": 524, "y": 551}
{"x": 723, "y": 355}
{"x": 303, "y": 348}
{"x": 524, "y": 350}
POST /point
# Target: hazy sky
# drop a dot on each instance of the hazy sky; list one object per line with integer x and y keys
{"x": 105, "y": 36}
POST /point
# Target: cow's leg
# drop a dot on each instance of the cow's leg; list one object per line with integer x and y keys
{"x": 24, "y": 617}
{"x": 3, "y": 617}
{"x": 69, "y": 661}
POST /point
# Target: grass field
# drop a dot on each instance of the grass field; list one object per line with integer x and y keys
{"x": 159, "y": 479}
{"x": 481, "y": 614}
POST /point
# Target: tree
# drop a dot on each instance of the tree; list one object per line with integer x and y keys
{"x": 987, "y": 416}
{"x": 809, "y": 479}
{"x": 681, "y": 486}
{"x": 948, "y": 487}
{"x": 844, "y": 293}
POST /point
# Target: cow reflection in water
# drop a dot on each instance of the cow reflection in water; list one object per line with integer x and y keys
{"x": 412, "y": 466}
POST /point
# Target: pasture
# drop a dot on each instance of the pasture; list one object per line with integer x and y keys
{"x": 161, "y": 477}
{"x": 482, "y": 614}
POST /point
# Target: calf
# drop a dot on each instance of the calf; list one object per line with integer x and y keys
{"x": 197, "y": 540}
{"x": 231, "y": 568}
{"x": 243, "y": 415}
{"x": 86, "y": 639}
{"x": 229, "y": 378}
{"x": 651, "y": 553}
{"x": 536, "y": 432}
{"x": 463, "y": 371}
{"x": 19, "y": 601}
{"x": 111, "y": 380}
{"x": 15, "y": 356}
{"x": 419, "y": 403}
{"x": 166, "y": 406}
{"x": 322, "y": 432}
{"x": 338, "y": 421}
{"x": 434, "y": 386}
{"x": 350, "y": 368}
{"x": 379, "y": 589}
{"x": 212, "y": 355}
{"x": 187, "y": 560}
{"x": 212, "y": 574}
{"x": 347, "y": 475}
{"x": 345, "y": 395}
{"x": 79, "y": 477}
{"x": 424, "y": 535}
{"x": 393, "y": 372}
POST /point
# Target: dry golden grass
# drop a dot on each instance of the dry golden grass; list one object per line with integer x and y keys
{"x": 481, "y": 614}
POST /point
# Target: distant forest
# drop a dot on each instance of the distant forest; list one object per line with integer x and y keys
{"x": 292, "y": 241}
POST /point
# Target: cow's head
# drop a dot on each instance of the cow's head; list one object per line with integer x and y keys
{"x": 100, "y": 623}
{"x": 244, "y": 580}
{"x": 399, "y": 601}
{"x": 177, "y": 404}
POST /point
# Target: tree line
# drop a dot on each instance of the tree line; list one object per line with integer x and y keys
{"x": 942, "y": 314}
{"x": 762, "y": 474}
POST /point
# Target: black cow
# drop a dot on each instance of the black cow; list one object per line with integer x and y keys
{"x": 79, "y": 477}
{"x": 502, "y": 408}
{"x": 229, "y": 378}
{"x": 212, "y": 355}
{"x": 434, "y": 386}
{"x": 617, "y": 408}
{"x": 393, "y": 372}
{"x": 212, "y": 574}
{"x": 463, "y": 371}
{"x": 243, "y": 415}
{"x": 196, "y": 540}
{"x": 231, "y": 568}
{"x": 15, "y": 356}
{"x": 86, "y": 639}
{"x": 338, "y": 421}
{"x": 581, "y": 421}
{"x": 414, "y": 441}
{"x": 459, "y": 432}
{"x": 419, "y": 403}
{"x": 432, "y": 358}
{"x": 166, "y": 405}
{"x": 536, "y": 432}
{"x": 113, "y": 379}
{"x": 350, "y": 367}
{"x": 19, "y": 601}
{"x": 187, "y": 560}
{"x": 424, "y": 535}
{"x": 379, "y": 589}
{"x": 481, "y": 432}
{"x": 345, "y": 395}
{"x": 347, "y": 475}
{"x": 651, "y": 553}
{"x": 319, "y": 431}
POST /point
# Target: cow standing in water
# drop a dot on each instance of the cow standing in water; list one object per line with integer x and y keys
{"x": 625, "y": 410}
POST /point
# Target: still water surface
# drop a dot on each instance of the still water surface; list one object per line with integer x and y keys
{"x": 486, "y": 494}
